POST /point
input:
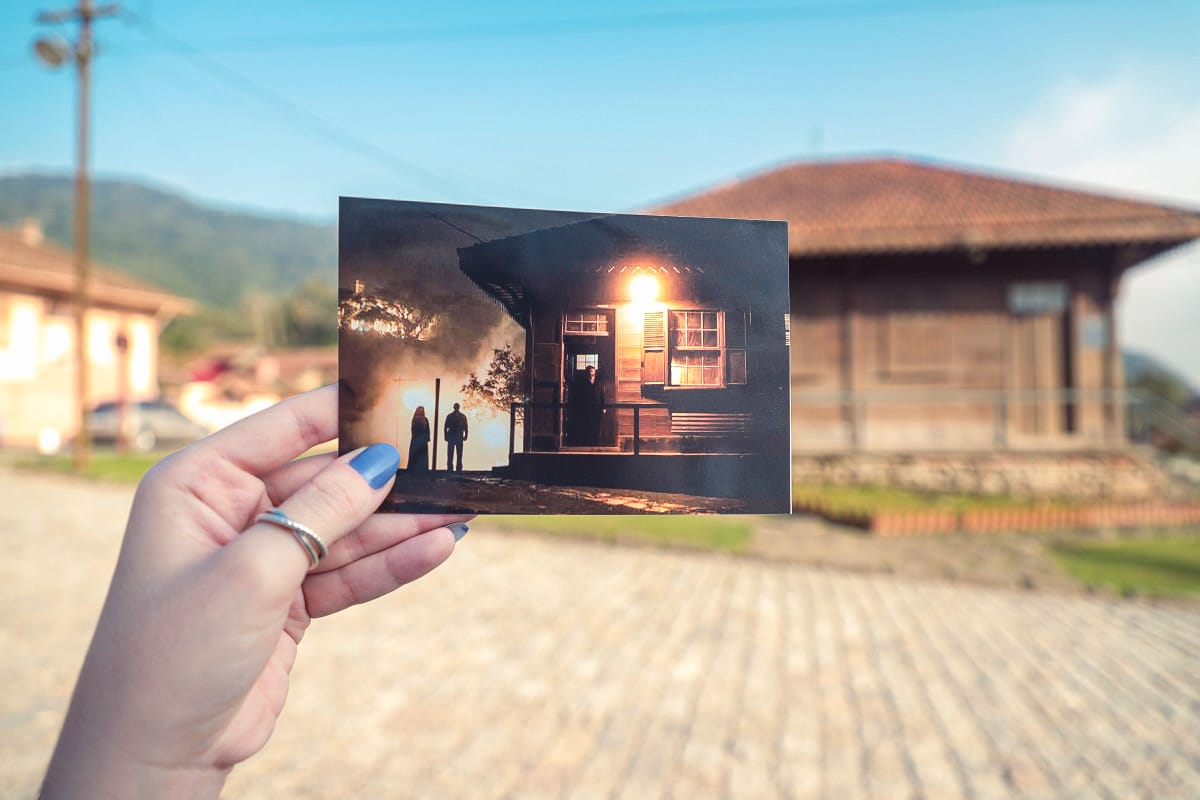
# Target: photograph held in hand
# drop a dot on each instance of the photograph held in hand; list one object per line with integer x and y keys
{"x": 528, "y": 361}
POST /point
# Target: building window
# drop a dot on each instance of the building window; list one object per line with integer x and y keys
{"x": 581, "y": 361}
{"x": 915, "y": 334}
{"x": 586, "y": 323}
{"x": 695, "y": 348}
{"x": 696, "y": 369}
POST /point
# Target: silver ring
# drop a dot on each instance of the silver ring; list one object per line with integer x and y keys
{"x": 303, "y": 534}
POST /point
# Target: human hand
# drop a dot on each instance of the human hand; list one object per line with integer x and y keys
{"x": 188, "y": 669}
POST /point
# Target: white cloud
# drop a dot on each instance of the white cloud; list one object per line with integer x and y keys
{"x": 1131, "y": 133}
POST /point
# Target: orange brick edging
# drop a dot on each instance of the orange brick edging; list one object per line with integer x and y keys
{"x": 907, "y": 523}
{"x": 1134, "y": 515}
{"x": 997, "y": 520}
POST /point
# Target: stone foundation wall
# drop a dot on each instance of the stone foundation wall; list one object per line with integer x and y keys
{"x": 1111, "y": 476}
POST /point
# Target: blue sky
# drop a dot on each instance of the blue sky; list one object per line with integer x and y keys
{"x": 284, "y": 106}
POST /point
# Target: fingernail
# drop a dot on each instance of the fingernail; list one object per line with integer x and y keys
{"x": 377, "y": 464}
{"x": 459, "y": 529}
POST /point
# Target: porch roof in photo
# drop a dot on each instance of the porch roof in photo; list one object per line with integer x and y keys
{"x": 736, "y": 262}
{"x": 30, "y": 264}
{"x": 893, "y": 205}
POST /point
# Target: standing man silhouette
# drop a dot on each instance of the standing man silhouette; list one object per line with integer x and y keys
{"x": 591, "y": 403}
{"x": 455, "y": 433}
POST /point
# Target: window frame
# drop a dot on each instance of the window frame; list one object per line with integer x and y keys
{"x": 915, "y": 321}
{"x": 599, "y": 316}
{"x": 720, "y": 349}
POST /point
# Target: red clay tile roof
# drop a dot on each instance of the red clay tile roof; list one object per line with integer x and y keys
{"x": 896, "y": 205}
{"x": 50, "y": 269}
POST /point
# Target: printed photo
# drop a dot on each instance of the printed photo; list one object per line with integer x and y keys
{"x": 555, "y": 362}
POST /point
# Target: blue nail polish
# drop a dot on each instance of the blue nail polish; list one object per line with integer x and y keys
{"x": 377, "y": 464}
{"x": 459, "y": 529}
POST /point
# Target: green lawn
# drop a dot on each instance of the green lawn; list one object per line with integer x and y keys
{"x": 863, "y": 499}
{"x": 1159, "y": 566}
{"x": 103, "y": 465}
{"x": 111, "y": 465}
{"x": 729, "y": 534}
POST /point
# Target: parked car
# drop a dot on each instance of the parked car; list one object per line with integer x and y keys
{"x": 148, "y": 424}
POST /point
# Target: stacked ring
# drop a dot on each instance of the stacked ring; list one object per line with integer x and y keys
{"x": 309, "y": 540}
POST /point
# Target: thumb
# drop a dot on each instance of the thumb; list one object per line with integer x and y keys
{"x": 332, "y": 504}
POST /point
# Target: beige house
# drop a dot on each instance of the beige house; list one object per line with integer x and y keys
{"x": 37, "y": 338}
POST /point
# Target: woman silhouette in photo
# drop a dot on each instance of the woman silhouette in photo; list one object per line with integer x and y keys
{"x": 418, "y": 448}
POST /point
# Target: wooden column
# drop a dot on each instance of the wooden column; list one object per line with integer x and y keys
{"x": 846, "y": 335}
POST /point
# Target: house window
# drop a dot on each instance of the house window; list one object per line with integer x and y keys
{"x": 915, "y": 334}
{"x": 695, "y": 348}
{"x": 581, "y": 361}
{"x": 696, "y": 369}
{"x": 586, "y": 323}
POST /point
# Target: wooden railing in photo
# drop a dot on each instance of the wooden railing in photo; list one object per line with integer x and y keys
{"x": 1009, "y": 520}
{"x": 519, "y": 411}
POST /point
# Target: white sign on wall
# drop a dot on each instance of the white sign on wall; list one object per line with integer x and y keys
{"x": 1037, "y": 297}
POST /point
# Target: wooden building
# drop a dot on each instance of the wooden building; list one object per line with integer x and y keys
{"x": 937, "y": 309}
{"x": 684, "y": 323}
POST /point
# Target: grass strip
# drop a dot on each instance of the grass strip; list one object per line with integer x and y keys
{"x": 102, "y": 465}
{"x": 867, "y": 499}
{"x": 1158, "y": 566}
{"x": 721, "y": 533}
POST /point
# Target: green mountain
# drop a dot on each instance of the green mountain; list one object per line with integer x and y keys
{"x": 1145, "y": 372}
{"x": 208, "y": 254}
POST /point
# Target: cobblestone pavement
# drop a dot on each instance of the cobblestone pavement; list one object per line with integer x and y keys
{"x": 529, "y": 668}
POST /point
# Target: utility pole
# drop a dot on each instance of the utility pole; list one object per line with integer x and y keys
{"x": 54, "y": 52}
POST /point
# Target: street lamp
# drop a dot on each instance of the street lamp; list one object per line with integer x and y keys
{"x": 54, "y": 51}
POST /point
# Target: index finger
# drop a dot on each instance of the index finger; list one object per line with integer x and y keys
{"x": 276, "y": 435}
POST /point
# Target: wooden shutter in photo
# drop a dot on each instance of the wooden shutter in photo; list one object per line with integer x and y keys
{"x": 654, "y": 339}
{"x": 737, "y": 324}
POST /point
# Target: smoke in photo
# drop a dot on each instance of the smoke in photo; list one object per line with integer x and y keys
{"x": 408, "y": 316}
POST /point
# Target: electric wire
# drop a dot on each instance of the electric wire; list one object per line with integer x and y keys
{"x": 308, "y": 120}
{"x": 629, "y": 23}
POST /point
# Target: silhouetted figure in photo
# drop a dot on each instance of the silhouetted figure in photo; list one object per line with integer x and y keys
{"x": 455, "y": 433}
{"x": 418, "y": 448}
{"x": 586, "y": 408}
{"x": 574, "y": 424}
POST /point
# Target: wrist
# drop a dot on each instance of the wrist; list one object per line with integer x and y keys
{"x": 95, "y": 758}
{"x": 99, "y": 770}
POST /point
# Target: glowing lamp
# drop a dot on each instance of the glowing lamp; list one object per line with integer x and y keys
{"x": 644, "y": 289}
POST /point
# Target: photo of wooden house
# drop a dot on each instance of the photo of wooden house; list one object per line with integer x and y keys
{"x": 605, "y": 363}
{"x": 678, "y": 326}
{"x": 940, "y": 310}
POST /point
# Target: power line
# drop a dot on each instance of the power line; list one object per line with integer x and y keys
{"x": 309, "y": 120}
{"x": 458, "y": 228}
{"x": 612, "y": 23}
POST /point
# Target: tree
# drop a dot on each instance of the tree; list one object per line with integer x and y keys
{"x": 309, "y": 314}
{"x": 502, "y": 385}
